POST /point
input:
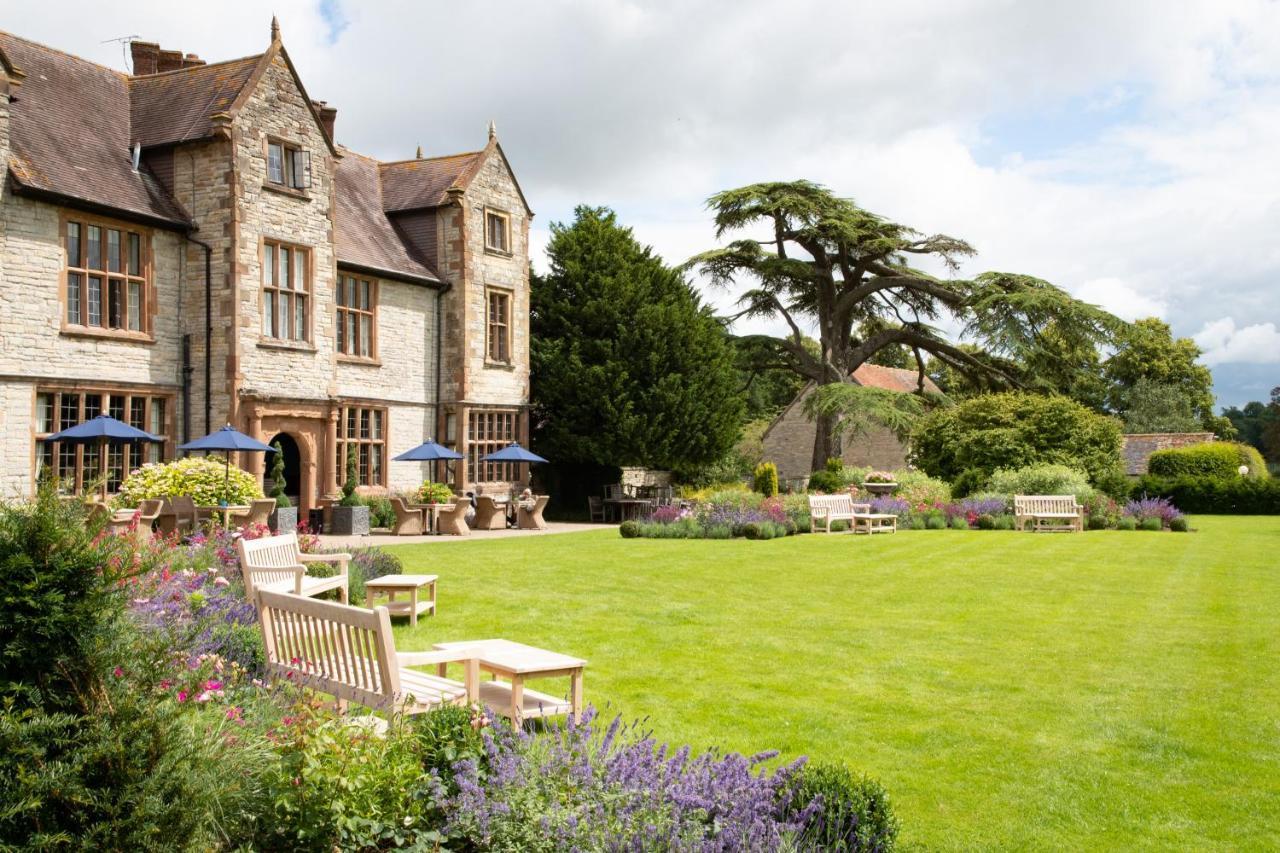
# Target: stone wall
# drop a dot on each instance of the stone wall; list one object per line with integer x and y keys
{"x": 404, "y": 367}
{"x": 1137, "y": 448}
{"x": 788, "y": 443}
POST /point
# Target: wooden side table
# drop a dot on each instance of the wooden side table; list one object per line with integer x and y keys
{"x": 390, "y": 585}
{"x": 517, "y": 663}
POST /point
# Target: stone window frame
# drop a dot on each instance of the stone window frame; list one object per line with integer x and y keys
{"x": 84, "y": 270}
{"x": 307, "y": 292}
{"x": 129, "y": 456}
{"x": 294, "y": 179}
{"x": 505, "y": 217}
{"x": 344, "y": 312}
{"x": 504, "y": 357}
{"x": 490, "y": 429}
{"x": 377, "y": 414}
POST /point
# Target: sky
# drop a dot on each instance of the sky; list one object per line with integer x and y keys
{"x": 1128, "y": 151}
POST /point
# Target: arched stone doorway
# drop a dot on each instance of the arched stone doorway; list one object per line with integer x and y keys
{"x": 292, "y": 466}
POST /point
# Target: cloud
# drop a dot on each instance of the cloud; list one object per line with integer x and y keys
{"x": 1121, "y": 299}
{"x": 1224, "y": 343}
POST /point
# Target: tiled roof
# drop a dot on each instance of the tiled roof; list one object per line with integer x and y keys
{"x": 414, "y": 184}
{"x": 365, "y": 236}
{"x": 70, "y": 133}
{"x": 892, "y": 379}
{"x": 176, "y": 106}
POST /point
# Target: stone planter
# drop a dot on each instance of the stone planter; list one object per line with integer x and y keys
{"x": 880, "y": 488}
{"x": 284, "y": 519}
{"x": 349, "y": 520}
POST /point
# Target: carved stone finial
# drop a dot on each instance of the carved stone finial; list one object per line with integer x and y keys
{"x": 275, "y": 28}
{"x": 419, "y": 154}
{"x": 493, "y": 130}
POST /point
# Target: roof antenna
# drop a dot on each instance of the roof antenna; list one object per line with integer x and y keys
{"x": 124, "y": 47}
{"x": 137, "y": 155}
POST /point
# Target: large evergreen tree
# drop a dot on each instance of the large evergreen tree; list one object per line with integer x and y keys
{"x": 816, "y": 260}
{"x": 628, "y": 367}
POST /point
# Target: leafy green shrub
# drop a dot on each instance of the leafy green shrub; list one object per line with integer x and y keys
{"x": 446, "y": 736}
{"x": 829, "y": 482}
{"x": 381, "y": 513}
{"x": 1215, "y": 495}
{"x": 839, "y": 526}
{"x": 766, "y": 479}
{"x": 629, "y": 529}
{"x": 834, "y": 465}
{"x": 349, "y": 496}
{"x": 434, "y": 493}
{"x": 916, "y": 522}
{"x": 1127, "y": 523}
{"x": 201, "y": 477}
{"x": 1014, "y": 430}
{"x": 1048, "y": 479}
{"x": 1179, "y": 524}
{"x": 917, "y": 487}
{"x": 986, "y": 522}
{"x": 969, "y": 481}
{"x": 1211, "y": 459}
{"x": 1114, "y": 484}
{"x": 751, "y": 530}
{"x": 935, "y": 521}
{"x": 1151, "y": 524}
{"x": 718, "y": 531}
{"x": 958, "y": 523}
{"x": 277, "y": 478}
{"x": 1005, "y": 522}
{"x": 854, "y": 813}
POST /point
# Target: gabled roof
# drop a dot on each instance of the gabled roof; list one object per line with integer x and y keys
{"x": 70, "y": 135}
{"x": 178, "y": 106}
{"x": 892, "y": 379}
{"x": 365, "y": 236}
{"x": 426, "y": 182}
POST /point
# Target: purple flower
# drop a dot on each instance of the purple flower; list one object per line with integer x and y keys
{"x": 1161, "y": 508}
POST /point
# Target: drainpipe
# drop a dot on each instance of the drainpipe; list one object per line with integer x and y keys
{"x": 208, "y": 331}
{"x": 186, "y": 388}
{"x": 448, "y": 285}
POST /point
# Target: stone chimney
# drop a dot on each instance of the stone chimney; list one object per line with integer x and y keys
{"x": 192, "y": 60}
{"x": 328, "y": 115}
{"x": 146, "y": 57}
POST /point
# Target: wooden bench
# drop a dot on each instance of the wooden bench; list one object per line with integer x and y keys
{"x": 349, "y": 653}
{"x": 829, "y": 508}
{"x": 1048, "y": 513}
{"x": 275, "y": 563}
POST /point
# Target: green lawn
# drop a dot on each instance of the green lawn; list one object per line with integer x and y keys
{"x": 1108, "y": 690}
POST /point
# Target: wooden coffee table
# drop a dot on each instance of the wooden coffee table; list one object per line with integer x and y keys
{"x": 517, "y": 663}
{"x": 390, "y": 585}
{"x": 875, "y": 522}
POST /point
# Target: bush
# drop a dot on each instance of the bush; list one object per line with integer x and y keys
{"x": 969, "y": 481}
{"x": 1042, "y": 480}
{"x": 381, "y": 513}
{"x": 1215, "y": 495}
{"x": 1005, "y": 522}
{"x": 853, "y": 812}
{"x": 277, "y": 478}
{"x": 958, "y": 523}
{"x": 447, "y": 735}
{"x": 629, "y": 529}
{"x": 438, "y": 493}
{"x": 201, "y": 477}
{"x": 829, "y": 482}
{"x": 935, "y": 521}
{"x": 352, "y": 482}
{"x": 1114, "y": 483}
{"x": 1211, "y": 459}
{"x": 916, "y": 522}
{"x": 1127, "y": 522}
{"x": 766, "y": 479}
{"x": 917, "y": 487}
{"x": 839, "y": 526}
{"x": 986, "y": 522}
{"x": 1179, "y": 524}
{"x": 1150, "y": 524}
{"x": 1015, "y": 430}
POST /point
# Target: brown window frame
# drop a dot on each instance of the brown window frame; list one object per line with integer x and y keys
{"x": 489, "y": 430}
{"x": 82, "y": 459}
{"x": 295, "y": 165}
{"x": 498, "y": 331}
{"x": 272, "y": 292}
{"x": 130, "y": 271}
{"x": 350, "y": 318}
{"x": 505, "y": 218}
{"x": 350, "y": 431}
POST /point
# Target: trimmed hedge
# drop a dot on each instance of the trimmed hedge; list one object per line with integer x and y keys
{"x": 1211, "y": 459}
{"x": 1233, "y": 495}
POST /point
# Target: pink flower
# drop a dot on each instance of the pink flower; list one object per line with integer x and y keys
{"x": 234, "y": 713}
{"x": 222, "y": 582}
{"x": 118, "y": 672}
{"x": 212, "y": 685}
{"x": 182, "y": 695}
{"x": 165, "y": 684}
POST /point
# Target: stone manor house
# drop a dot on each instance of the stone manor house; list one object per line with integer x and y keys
{"x": 187, "y": 246}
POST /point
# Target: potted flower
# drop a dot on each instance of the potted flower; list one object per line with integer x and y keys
{"x": 880, "y": 483}
{"x": 350, "y": 516}
{"x": 284, "y": 518}
{"x": 434, "y": 493}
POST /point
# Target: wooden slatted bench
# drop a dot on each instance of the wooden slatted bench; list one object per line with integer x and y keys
{"x": 349, "y": 653}
{"x": 829, "y": 508}
{"x": 275, "y": 563}
{"x": 1048, "y": 513}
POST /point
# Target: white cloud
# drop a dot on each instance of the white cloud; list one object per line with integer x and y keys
{"x": 1224, "y": 343}
{"x": 1121, "y": 299}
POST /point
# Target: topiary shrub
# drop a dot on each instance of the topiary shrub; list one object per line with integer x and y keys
{"x": 629, "y": 529}
{"x": 1046, "y": 479}
{"x": 853, "y": 812}
{"x": 829, "y": 482}
{"x": 1014, "y": 430}
{"x": 277, "y": 478}
{"x": 1150, "y": 524}
{"x": 349, "y": 496}
{"x": 206, "y": 479}
{"x": 1211, "y": 459}
{"x": 766, "y": 479}
{"x": 1179, "y": 524}
{"x": 1127, "y": 523}
{"x": 969, "y": 481}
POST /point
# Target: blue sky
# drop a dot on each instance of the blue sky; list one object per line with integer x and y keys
{"x": 1120, "y": 150}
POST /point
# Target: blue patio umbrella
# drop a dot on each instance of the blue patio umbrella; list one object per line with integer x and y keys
{"x": 103, "y": 430}
{"x": 228, "y": 439}
{"x": 513, "y": 452}
{"x": 428, "y": 451}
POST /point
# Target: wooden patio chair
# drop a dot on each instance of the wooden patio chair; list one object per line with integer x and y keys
{"x": 531, "y": 518}
{"x": 118, "y": 521}
{"x": 596, "y": 508}
{"x": 408, "y": 521}
{"x": 148, "y": 512}
{"x": 178, "y": 515}
{"x": 275, "y": 563}
{"x": 454, "y": 521}
{"x": 259, "y": 512}
{"x": 490, "y": 515}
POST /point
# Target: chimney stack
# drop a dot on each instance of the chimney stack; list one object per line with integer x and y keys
{"x": 170, "y": 60}
{"x": 328, "y": 115}
{"x": 146, "y": 56}
{"x": 192, "y": 60}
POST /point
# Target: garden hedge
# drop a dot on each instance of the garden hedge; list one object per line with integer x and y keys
{"x": 1212, "y": 459}
{"x": 1233, "y": 495}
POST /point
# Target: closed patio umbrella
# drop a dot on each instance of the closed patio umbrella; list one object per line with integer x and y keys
{"x": 228, "y": 439}
{"x": 103, "y": 430}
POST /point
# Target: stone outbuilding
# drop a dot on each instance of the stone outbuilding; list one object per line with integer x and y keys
{"x": 788, "y": 442}
{"x": 188, "y": 245}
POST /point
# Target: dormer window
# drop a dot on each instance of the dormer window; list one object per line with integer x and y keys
{"x": 497, "y": 232}
{"x": 288, "y": 165}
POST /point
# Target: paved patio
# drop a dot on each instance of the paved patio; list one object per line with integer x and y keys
{"x": 381, "y": 537}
